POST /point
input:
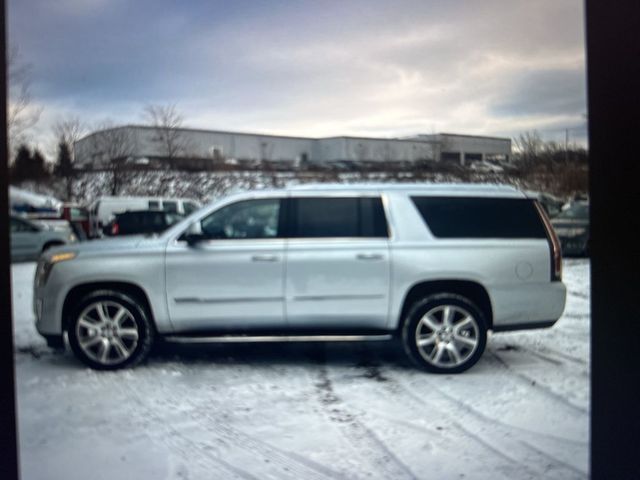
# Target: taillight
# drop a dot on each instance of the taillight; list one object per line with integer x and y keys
{"x": 554, "y": 245}
{"x": 115, "y": 228}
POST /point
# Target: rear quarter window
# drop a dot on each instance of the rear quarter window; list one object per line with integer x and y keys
{"x": 466, "y": 217}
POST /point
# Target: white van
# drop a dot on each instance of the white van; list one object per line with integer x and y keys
{"x": 104, "y": 209}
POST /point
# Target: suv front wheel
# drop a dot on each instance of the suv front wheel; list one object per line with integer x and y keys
{"x": 444, "y": 333}
{"x": 110, "y": 330}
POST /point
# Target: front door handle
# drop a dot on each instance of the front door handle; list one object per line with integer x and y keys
{"x": 369, "y": 256}
{"x": 264, "y": 258}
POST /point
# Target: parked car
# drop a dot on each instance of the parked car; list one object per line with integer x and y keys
{"x": 29, "y": 240}
{"x": 71, "y": 216}
{"x": 551, "y": 204}
{"x": 103, "y": 209}
{"x": 437, "y": 266}
{"x": 78, "y": 217}
{"x": 143, "y": 222}
{"x": 572, "y": 227}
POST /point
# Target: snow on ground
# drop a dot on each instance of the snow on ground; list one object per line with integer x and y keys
{"x": 309, "y": 410}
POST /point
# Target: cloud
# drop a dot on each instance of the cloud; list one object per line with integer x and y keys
{"x": 312, "y": 68}
{"x": 544, "y": 92}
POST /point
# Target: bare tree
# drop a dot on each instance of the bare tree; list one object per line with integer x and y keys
{"x": 113, "y": 147}
{"x": 167, "y": 123}
{"x": 21, "y": 113}
{"x": 66, "y": 133}
{"x": 529, "y": 145}
{"x": 69, "y": 131}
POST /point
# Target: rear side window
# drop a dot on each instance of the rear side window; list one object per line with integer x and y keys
{"x": 189, "y": 207}
{"x": 141, "y": 222}
{"x": 170, "y": 206}
{"x": 465, "y": 217}
{"x": 324, "y": 217}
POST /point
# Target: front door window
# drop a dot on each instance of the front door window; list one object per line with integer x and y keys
{"x": 249, "y": 219}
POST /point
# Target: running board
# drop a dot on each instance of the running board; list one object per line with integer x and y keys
{"x": 276, "y": 338}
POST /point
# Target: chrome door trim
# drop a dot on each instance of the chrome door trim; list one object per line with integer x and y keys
{"x": 183, "y": 300}
{"x": 370, "y": 256}
{"x": 302, "y": 298}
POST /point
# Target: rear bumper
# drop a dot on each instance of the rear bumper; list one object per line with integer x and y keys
{"x": 524, "y": 326}
{"x": 525, "y": 306}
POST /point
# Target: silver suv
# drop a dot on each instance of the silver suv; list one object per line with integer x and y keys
{"x": 435, "y": 265}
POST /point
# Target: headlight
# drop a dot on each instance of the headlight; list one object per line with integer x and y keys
{"x": 45, "y": 266}
{"x": 72, "y": 238}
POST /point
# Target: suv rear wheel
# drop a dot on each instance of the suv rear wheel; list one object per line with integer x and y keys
{"x": 110, "y": 330}
{"x": 445, "y": 333}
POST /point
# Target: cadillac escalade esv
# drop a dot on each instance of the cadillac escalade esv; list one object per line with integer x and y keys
{"x": 435, "y": 265}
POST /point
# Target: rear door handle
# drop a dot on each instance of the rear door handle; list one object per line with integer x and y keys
{"x": 369, "y": 256}
{"x": 264, "y": 258}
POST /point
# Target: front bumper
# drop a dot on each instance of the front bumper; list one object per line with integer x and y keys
{"x": 48, "y": 300}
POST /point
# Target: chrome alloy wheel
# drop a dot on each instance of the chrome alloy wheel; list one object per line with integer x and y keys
{"x": 107, "y": 332}
{"x": 447, "y": 336}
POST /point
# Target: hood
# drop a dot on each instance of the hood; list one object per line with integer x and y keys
{"x": 112, "y": 245}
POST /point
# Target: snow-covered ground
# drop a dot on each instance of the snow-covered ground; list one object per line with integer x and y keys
{"x": 305, "y": 411}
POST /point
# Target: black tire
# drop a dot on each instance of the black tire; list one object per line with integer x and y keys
{"x": 134, "y": 318}
{"x": 452, "y": 339}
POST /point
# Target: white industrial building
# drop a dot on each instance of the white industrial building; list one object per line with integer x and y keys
{"x": 203, "y": 149}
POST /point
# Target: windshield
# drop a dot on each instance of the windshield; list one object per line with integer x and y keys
{"x": 577, "y": 211}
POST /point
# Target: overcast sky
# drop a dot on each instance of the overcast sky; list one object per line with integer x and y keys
{"x": 311, "y": 68}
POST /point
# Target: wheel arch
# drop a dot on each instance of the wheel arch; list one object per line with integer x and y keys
{"x": 472, "y": 290}
{"x": 127, "y": 288}
{"x": 52, "y": 243}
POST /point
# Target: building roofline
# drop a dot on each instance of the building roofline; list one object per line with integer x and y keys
{"x": 470, "y": 136}
{"x": 416, "y": 138}
{"x": 381, "y": 139}
{"x": 204, "y": 130}
{"x": 201, "y": 130}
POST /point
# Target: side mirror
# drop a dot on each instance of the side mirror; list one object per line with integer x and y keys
{"x": 193, "y": 234}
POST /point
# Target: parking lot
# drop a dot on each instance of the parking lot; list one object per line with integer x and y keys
{"x": 340, "y": 410}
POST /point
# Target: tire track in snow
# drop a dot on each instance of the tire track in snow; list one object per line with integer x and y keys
{"x": 546, "y": 353}
{"x": 516, "y": 466}
{"x": 552, "y": 356}
{"x": 279, "y": 463}
{"x": 554, "y": 460}
{"x": 504, "y": 431}
{"x": 515, "y": 469}
{"x": 537, "y": 385}
{"x": 463, "y": 406}
{"x": 191, "y": 452}
{"x": 403, "y": 394}
{"x": 289, "y": 465}
{"x": 365, "y": 443}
